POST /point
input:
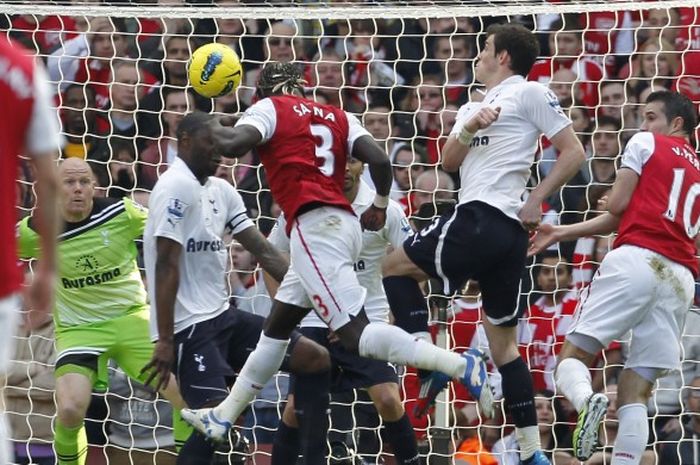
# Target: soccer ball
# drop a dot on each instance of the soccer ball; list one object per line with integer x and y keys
{"x": 214, "y": 70}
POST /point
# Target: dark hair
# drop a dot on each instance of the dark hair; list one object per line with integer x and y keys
{"x": 542, "y": 256}
{"x": 87, "y": 90}
{"x": 280, "y": 78}
{"x": 604, "y": 120}
{"x": 560, "y": 428}
{"x": 569, "y": 22}
{"x": 677, "y": 105}
{"x": 193, "y": 122}
{"x": 521, "y": 45}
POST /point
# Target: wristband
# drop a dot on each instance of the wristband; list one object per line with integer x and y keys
{"x": 465, "y": 137}
{"x": 381, "y": 201}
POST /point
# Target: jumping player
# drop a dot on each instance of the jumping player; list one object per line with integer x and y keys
{"x": 349, "y": 370}
{"x": 493, "y": 145}
{"x": 304, "y": 147}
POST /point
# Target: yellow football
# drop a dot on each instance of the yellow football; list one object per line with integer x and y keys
{"x": 214, "y": 70}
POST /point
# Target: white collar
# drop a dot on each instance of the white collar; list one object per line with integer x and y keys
{"x": 509, "y": 81}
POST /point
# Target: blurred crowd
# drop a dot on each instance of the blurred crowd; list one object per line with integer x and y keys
{"x": 121, "y": 88}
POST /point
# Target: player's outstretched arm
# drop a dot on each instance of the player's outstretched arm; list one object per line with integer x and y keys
{"x": 235, "y": 141}
{"x": 167, "y": 282}
{"x": 270, "y": 259}
{"x": 619, "y": 199}
{"x": 571, "y": 157}
{"x": 368, "y": 151}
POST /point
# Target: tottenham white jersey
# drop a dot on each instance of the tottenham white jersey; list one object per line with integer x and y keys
{"x": 374, "y": 248}
{"x": 196, "y": 217}
{"x": 497, "y": 167}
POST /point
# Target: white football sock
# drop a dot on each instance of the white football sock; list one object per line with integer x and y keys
{"x": 528, "y": 440}
{"x": 385, "y": 342}
{"x": 632, "y": 434}
{"x": 574, "y": 381}
{"x": 262, "y": 363}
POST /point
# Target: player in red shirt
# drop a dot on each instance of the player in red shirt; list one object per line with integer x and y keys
{"x": 645, "y": 284}
{"x": 29, "y": 128}
{"x": 304, "y": 146}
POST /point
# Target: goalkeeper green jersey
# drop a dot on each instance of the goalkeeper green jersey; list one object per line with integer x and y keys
{"x": 98, "y": 278}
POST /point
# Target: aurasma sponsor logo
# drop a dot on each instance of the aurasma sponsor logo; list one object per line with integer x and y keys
{"x": 90, "y": 280}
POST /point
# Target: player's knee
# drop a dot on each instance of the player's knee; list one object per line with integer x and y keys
{"x": 309, "y": 357}
{"x": 71, "y": 412}
{"x": 389, "y": 265}
{"x": 388, "y": 403}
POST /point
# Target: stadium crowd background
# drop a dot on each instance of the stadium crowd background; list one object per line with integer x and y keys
{"x": 121, "y": 88}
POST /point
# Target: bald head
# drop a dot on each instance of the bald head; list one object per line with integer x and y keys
{"x": 77, "y": 187}
{"x": 74, "y": 165}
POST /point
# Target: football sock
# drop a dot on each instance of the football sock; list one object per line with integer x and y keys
{"x": 574, "y": 381}
{"x": 262, "y": 363}
{"x": 181, "y": 430}
{"x": 407, "y": 304}
{"x": 197, "y": 450}
{"x": 386, "y": 342}
{"x": 70, "y": 444}
{"x": 519, "y": 399}
{"x": 403, "y": 440}
{"x": 311, "y": 404}
{"x": 632, "y": 434}
{"x": 285, "y": 447}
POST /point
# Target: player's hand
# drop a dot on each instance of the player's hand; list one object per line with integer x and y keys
{"x": 545, "y": 236}
{"x": 603, "y": 204}
{"x": 40, "y": 296}
{"x": 160, "y": 365}
{"x": 482, "y": 119}
{"x": 531, "y": 214}
{"x": 373, "y": 218}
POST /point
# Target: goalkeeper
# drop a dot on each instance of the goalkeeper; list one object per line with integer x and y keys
{"x": 101, "y": 310}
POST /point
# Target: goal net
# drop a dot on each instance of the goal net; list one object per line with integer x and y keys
{"x": 118, "y": 74}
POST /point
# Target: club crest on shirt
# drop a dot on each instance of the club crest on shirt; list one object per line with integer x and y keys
{"x": 176, "y": 211}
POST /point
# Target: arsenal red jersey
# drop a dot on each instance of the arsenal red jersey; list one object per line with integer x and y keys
{"x": 304, "y": 149}
{"x": 27, "y": 124}
{"x": 664, "y": 213}
{"x": 541, "y": 335}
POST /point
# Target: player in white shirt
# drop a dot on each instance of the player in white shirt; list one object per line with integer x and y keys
{"x": 201, "y": 337}
{"x": 350, "y": 370}
{"x": 493, "y": 145}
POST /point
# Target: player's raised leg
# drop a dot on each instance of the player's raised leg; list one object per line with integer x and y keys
{"x": 328, "y": 241}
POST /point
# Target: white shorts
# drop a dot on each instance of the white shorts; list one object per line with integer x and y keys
{"x": 639, "y": 290}
{"x": 10, "y": 308}
{"x": 324, "y": 244}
